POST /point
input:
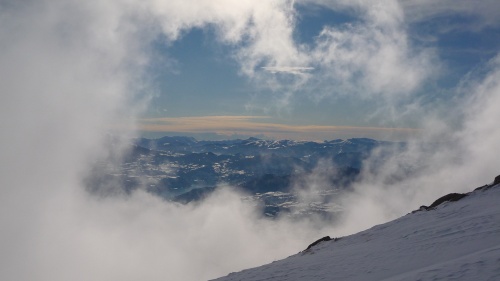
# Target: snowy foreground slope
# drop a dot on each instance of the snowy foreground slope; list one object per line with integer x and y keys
{"x": 454, "y": 241}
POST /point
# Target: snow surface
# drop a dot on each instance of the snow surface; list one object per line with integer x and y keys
{"x": 456, "y": 241}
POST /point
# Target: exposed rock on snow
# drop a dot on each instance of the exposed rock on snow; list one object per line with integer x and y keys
{"x": 452, "y": 197}
{"x": 497, "y": 180}
{"x": 326, "y": 238}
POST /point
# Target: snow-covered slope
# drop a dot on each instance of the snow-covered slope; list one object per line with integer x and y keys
{"x": 455, "y": 241}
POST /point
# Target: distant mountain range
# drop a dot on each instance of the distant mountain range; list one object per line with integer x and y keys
{"x": 184, "y": 169}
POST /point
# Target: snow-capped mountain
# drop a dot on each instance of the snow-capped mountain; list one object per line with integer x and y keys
{"x": 184, "y": 169}
{"x": 305, "y": 150}
{"x": 445, "y": 241}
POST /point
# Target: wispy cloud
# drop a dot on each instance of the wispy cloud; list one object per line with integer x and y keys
{"x": 256, "y": 125}
{"x": 480, "y": 14}
{"x": 297, "y": 70}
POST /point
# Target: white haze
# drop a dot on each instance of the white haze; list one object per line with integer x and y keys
{"x": 71, "y": 69}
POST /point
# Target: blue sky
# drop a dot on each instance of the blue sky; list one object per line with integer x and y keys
{"x": 431, "y": 48}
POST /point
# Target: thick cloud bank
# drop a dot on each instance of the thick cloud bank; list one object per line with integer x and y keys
{"x": 70, "y": 70}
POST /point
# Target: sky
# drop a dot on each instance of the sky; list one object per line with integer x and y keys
{"x": 72, "y": 72}
{"x": 343, "y": 72}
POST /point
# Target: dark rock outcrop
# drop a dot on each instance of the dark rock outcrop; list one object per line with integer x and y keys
{"x": 326, "y": 238}
{"x": 484, "y": 187}
{"x": 497, "y": 180}
{"x": 452, "y": 197}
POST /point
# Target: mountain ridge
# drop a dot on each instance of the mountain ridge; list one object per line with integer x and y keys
{"x": 184, "y": 169}
{"x": 458, "y": 240}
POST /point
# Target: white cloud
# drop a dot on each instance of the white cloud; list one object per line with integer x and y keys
{"x": 482, "y": 14}
{"x": 261, "y": 30}
{"x": 372, "y": 57}
{"x": 70, "y": 68}
{"x": 448, "y": 158}
{"x": 296, "y": 70}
